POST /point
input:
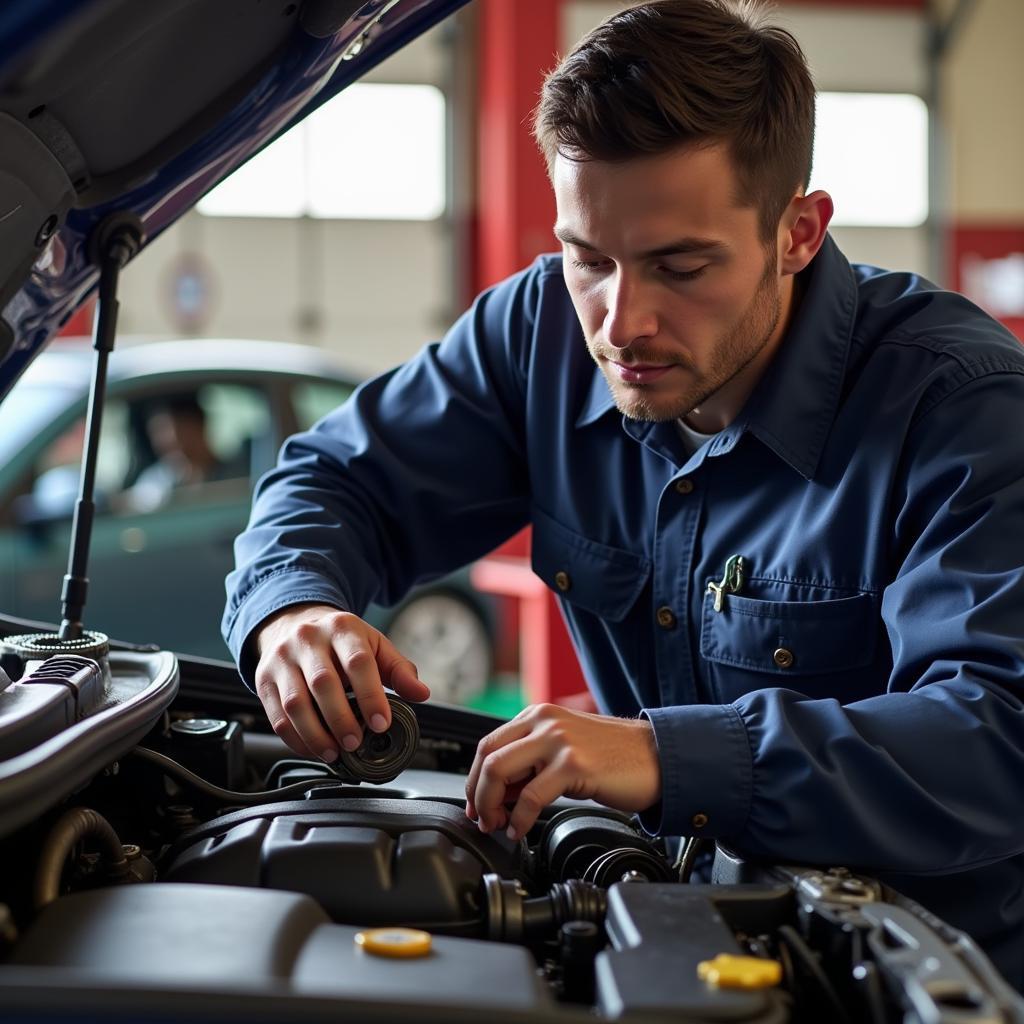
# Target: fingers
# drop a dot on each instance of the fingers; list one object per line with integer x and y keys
{"x": 308, "y": 656}
{"x": 547, "y": 752}
{"x": 279, "y": 720}
{"x": 546, "y": 787}
{"x": 324, "y": 683}
{"x": 399, "y": 672}
{"x": 501, "y": 770}
{"x": 358, "y": 664}
{"x": 281, "y": 705}
{"x": 507, "y": 733}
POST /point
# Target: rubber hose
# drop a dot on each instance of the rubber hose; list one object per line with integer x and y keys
{"x": 71, "y": 828}
{"x": 228, "y": 796}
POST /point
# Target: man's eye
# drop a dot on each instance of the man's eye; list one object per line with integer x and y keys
{"x": 588, "y": 264}
{"x": 684, "y": 275}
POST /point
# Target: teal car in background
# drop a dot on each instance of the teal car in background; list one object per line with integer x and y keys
{"x": 177, "y": 551}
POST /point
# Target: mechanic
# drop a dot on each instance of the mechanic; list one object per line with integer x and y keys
{"x": 780, "y": 497}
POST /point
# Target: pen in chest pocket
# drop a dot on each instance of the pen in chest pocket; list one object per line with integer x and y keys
{"x": 731, "y": 582}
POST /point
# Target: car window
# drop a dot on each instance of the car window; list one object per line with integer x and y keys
{"x": 312, "y": 400}
{"x": 55, "y": 478}
{"x": 27, "y": 410}
{"x": 237, "y": 417}
{"x": 205, "y": 443}
{"x": 181, "y": 443}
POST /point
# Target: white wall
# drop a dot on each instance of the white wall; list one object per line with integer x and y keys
{"x": 983, "y": 78}
{"x": 375, "y": 291}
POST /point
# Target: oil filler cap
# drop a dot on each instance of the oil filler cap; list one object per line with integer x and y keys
{"x": 750, "y": 972}
{"x": 399, "y": 943}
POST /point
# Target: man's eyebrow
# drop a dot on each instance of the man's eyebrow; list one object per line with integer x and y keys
{"x": 683, "y": 246}
{"x": 680, "y": 247}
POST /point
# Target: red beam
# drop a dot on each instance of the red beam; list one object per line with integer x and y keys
{"x": 547, "y": 661}
{"x": 518, "y": 43}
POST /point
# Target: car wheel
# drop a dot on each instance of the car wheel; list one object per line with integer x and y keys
{"x": 449, "y": 643}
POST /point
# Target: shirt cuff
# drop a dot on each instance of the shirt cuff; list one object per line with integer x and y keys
{"x": 272, "y": 593}
{"x": 706, "y": 771}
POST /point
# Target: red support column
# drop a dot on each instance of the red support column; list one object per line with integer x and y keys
{"x": 518, "y": 43}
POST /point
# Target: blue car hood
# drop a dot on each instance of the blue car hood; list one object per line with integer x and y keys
{"x": 109, "y": 105}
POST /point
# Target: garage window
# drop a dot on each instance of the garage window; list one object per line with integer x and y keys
{"x": 374, "y": 152}
{"x": 871, "y": 156}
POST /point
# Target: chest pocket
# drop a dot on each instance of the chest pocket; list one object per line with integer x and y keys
{"x": 596, "y": 577}
{"x": 791, "y": 638}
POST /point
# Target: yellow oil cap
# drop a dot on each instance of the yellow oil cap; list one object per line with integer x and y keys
{"x": 728, "y": 971}
{"x": 395, "y": 942}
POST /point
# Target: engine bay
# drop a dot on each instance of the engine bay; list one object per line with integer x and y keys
{"x": 166, "y": 854}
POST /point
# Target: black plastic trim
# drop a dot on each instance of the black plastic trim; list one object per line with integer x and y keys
{"x": 33, "y": 782}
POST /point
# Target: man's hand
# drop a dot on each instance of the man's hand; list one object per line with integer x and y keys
{"x": 309, "y": 655}
{"x": 546, "y": 752}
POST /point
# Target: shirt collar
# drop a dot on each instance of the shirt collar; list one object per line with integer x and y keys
{"x": 794, "y": 404}
{"x": 598, "y": 401}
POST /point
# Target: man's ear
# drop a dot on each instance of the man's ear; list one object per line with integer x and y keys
{"x": 802, "y": 230}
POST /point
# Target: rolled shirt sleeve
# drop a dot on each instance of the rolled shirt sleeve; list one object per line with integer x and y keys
{"x": 420, "y": 471}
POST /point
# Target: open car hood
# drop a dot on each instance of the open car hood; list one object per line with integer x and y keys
{"x": 116, "y": 105}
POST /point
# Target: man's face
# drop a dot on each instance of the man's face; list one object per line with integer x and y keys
{"x": 177, "y": 433}
{"x": 670, "y": 279}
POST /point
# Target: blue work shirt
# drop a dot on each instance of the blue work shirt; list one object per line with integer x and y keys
{"x": 858, "y": 701}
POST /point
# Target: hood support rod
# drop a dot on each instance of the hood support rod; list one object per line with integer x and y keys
{"x": 114, "y": 242}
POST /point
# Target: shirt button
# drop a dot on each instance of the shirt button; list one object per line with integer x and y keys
{"x": 699, "y": 820}
{"x": 562, "y": 581}
{"x": 684, "y": 486}
{"x": 783, "y": 657}
{"x": 666, "y": 618}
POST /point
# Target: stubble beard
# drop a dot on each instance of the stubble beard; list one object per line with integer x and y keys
{"x": 731, "y": 354}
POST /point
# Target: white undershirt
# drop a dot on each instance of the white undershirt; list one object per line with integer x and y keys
{"x": 692, "y": 438}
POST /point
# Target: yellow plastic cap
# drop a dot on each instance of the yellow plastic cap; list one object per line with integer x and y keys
{"x": 728, "y": 971}
{"x": 394, "y": 942}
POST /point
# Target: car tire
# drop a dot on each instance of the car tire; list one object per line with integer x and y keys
{"x": 448, "y": 641}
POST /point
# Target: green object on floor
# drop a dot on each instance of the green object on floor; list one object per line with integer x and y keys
{"x": 503, "y": 697}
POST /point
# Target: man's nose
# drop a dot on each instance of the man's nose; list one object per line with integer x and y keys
{"x": 629, "y": 316}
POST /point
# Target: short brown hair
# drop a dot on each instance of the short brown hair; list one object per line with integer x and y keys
{"x": 672, "y": 72}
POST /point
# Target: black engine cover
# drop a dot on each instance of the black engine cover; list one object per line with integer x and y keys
{"x": 365, "y": 861}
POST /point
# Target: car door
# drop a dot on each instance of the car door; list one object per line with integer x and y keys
{"x": 158, "y": 558}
